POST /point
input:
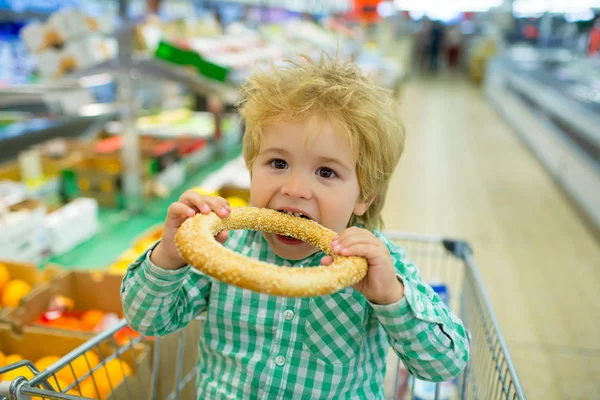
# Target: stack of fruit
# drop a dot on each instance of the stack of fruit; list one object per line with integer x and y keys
{"x": 12, "y": 290}
{"x": 60, "y": 315}
{"x": 104, "y": 379}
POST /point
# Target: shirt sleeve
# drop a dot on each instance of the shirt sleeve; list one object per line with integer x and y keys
{"x": 157, "y": 301}
{"x": 427, "y": 336}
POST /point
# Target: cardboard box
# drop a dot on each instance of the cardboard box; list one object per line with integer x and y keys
{"x": 88, "y": 290}
{"x": 10, "y": 171}
{"x": 185, "y": 343}
{"x": 60, "y": 154}
{"x": 35, "y": 343}
{"x": 31, "y": 274}
{"x": 91, "y": 290}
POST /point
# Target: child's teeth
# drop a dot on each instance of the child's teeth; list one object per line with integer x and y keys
{"x": 293, "y": 213}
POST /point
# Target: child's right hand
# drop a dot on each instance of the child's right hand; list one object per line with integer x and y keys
{"x": 165, "y": 255}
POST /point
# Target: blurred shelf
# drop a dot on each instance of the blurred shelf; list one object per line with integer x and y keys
{"x": 118, "y": 228}
{"x": 148, "y": 65}
{"x": 13, "y": 16}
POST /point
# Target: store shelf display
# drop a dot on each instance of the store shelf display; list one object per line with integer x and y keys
{"x": 154, "y": 97}
{"x": 68, "y": 40}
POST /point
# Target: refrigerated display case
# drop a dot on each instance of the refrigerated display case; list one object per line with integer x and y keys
{"x": 552, "y": 100}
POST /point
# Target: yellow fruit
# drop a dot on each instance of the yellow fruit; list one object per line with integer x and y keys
{"x": 106, "y": 379}
{"x": 129, "y": 256}
{"x": 15, "y": 373}
{"x": 59, "y": 386}
{"x": 204, "y": 192}
{"x": 43, "y": 363}
{"x": 88, "y": 389}
{"x": 14, "y": 291}
{"x": 235, "y": 201}
{"x": 4, "y": 276}
{"x": 12, "y": 358}
{"x": 2, "y": 359}
{"x": 81, "y": 367}
{"x": 117, "y": 371}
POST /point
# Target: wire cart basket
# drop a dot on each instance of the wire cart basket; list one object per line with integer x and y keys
{"x": 446, "y": 264}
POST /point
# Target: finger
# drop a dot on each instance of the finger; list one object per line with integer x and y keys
{"x": 219, "y": 205}
{"x": 366, "y": 250}
{"x": 350, "y": 232}
{"x": 222, "y": 236}
{"x": 349, "y": 241}
{"x": 196, "y": 200}
{"x": 327, "y": 260}
{"x": 179, "y": 210}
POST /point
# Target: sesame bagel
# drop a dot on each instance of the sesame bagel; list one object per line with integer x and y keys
{"x": 196, "y": 242}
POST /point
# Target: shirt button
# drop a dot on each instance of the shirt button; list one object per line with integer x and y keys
{"x": 280, "y": 360}
{"x": 288, "y": 315}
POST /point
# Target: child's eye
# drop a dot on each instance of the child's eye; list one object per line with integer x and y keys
{"x": 325, "y": 172}
{"x": 278, "y": 163}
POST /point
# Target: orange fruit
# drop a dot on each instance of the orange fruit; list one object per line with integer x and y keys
{"x": 117, "y": 370}
{"x": 90, "y": 319}
{"x": 15, "y": 373}
{"x": 88, "y": 389}
{"x": 2, "y": 362}
{"x": 43, "y": 363}
{"x": 59, "y": 386}
{"x": 14, "y": 291}
{"x": 12, "y": 358}
{"x": 62, "y": 322}
{"x": 81, "y": 366}
{"x": 106, "y": 379}
{"x": 9, "y": 360}
{"x": 4, "y": 276}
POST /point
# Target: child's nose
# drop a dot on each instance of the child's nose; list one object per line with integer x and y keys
{"x": 298, "y": 187}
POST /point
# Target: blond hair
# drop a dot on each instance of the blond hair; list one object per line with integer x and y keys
{"x": 340, "y": 93}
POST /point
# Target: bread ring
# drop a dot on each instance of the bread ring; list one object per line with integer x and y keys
{"x": 197, "y": 245}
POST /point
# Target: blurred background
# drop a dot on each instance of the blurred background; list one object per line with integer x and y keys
{"x": 109, "y": 110}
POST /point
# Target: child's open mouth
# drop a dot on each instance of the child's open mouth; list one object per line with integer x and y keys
{"x": 288, "y": 239}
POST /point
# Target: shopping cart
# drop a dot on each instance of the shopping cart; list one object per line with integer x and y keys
{"x": 446, "y": 264}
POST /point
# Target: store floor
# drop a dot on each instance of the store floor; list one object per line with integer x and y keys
{"x": 466, "y": 174}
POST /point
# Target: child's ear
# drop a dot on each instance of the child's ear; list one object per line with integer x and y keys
{"x": 361, "y": 207}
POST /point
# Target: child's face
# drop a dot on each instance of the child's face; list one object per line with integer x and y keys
{"x": 312, "y": 172}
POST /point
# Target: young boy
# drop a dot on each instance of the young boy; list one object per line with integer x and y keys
{"x": 323, "y": 141}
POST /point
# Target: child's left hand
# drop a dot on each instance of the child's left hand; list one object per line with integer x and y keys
{"x": 380, "y": 285}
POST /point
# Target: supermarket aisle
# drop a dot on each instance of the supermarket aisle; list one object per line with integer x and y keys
{"x": 466, "y": 174}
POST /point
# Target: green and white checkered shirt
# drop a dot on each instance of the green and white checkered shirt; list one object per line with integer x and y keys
{"x": 257, "y": 346}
